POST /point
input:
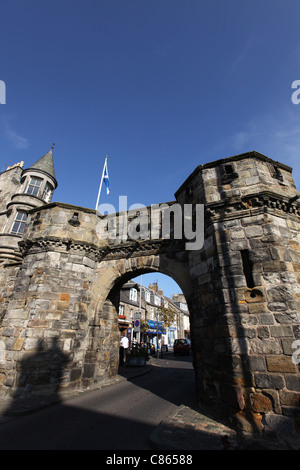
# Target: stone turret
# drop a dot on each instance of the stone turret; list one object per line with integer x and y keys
{"x": 22, "y": 190}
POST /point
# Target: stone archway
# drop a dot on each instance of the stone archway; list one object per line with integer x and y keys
{"x": 242, "y": 289}
{"x": 103, "y": 329}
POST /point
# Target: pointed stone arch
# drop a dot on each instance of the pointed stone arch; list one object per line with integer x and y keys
{"x": 103, "y": 307}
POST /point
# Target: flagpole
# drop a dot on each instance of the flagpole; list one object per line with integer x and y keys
{"x": 105, "y": 163}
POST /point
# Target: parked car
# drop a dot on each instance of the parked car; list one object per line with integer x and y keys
{"x": 182, "y": 346}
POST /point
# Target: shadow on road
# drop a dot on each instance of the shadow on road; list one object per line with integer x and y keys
{"x": 171, "y": 378}
{"x": 74, "y": 424}
{"x": 65, "y": 427}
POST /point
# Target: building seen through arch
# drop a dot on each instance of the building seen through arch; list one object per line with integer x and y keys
{"x": 167, "y": 318}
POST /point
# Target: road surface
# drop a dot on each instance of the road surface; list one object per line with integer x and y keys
{"x": 119, "y": 417}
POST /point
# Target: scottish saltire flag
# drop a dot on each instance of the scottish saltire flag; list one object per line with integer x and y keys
{"x": 106, "y": 178}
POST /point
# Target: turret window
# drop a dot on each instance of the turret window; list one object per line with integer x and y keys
{"x": 19, "y": 223}
{"x": 47, "y": 193}
{"x": 34, "y": 186}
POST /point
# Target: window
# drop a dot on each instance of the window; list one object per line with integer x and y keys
{"x": 247, "y": 268}
{"x": 133, "y": 294}
{"x": 275, "y": 172}
{"x": 228, "y": 174}
{"x": 19, "y": 223}
{"x": 34, "y": 186}
{"x": 152, "y": 313}
{"x": 121, "y": 309}
{"x": 156, "y": 300}
{"x": 47, "y": 193}
{"x": 228, "y": 169}
{"x": 147, "y": 296}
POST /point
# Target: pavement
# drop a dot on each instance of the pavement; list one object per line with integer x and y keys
{"x": 186, "y": 429}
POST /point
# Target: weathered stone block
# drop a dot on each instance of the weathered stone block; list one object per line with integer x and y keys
{"x": 280, "y": 364}
{"x": 266, "y": 319}
{"x": 18, "y": 344}
{"x": 271, "y": 381}
{"x": 255, "y": 231}
{"x": 258, "y": 308}
{"x": 65, "y": 297}
{"x": 255, "y": 363}
{"x": 63, "y": 305}
{"x": 263, "y": 332}
{"x": 278, "y": 425}
{"x": 293, "y": 382}
{"x": 265, "y": 346}
{"x": 279, "y": 294}
{"x": 261, "y": 403}
{"x": 289, "y": 398}
{"x": 239, "y": 345}
{"x": 281, "y": 331}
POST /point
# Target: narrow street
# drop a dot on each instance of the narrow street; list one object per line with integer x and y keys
{"x": 118, "y": 417}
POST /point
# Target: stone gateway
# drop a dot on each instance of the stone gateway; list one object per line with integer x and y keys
{"x": 61, "y": 272}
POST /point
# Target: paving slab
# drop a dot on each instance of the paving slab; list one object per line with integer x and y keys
{"x": 188, "y": 429}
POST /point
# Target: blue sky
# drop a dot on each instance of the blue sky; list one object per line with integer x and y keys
{"x": 160, "y": 86}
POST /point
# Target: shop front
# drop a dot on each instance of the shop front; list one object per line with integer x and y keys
{"x": 155, "y": 329}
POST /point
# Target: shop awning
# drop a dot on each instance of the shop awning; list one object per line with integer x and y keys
{"x": 152, "y": 327}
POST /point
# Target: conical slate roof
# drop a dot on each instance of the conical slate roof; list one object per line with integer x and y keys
{"x": 45, "y": 164}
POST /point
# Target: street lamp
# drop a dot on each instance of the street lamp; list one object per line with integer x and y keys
{"x": 140, "y": 306}
{"x": 157, "y": 319}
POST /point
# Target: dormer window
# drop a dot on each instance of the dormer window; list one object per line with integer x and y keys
{"x": 34, "y": 186}
{"x": 133, "y": 294}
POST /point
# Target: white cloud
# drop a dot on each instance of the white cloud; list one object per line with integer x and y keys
{"x": 17, "y": 140}
{"x": 276, "y": 136}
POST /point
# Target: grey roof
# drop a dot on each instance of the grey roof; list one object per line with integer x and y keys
{"x": 45, "y": 164}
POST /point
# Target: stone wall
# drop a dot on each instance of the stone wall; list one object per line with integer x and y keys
{"x": 9, "y": 184}
{"x": 64, "y": 302}
{"x": 246, "y": 299}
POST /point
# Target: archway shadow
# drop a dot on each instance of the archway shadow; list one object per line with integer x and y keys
{"x": 38, "y": 380}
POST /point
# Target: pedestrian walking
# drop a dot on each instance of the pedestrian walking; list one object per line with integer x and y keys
{"x": 124, "y": 343}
